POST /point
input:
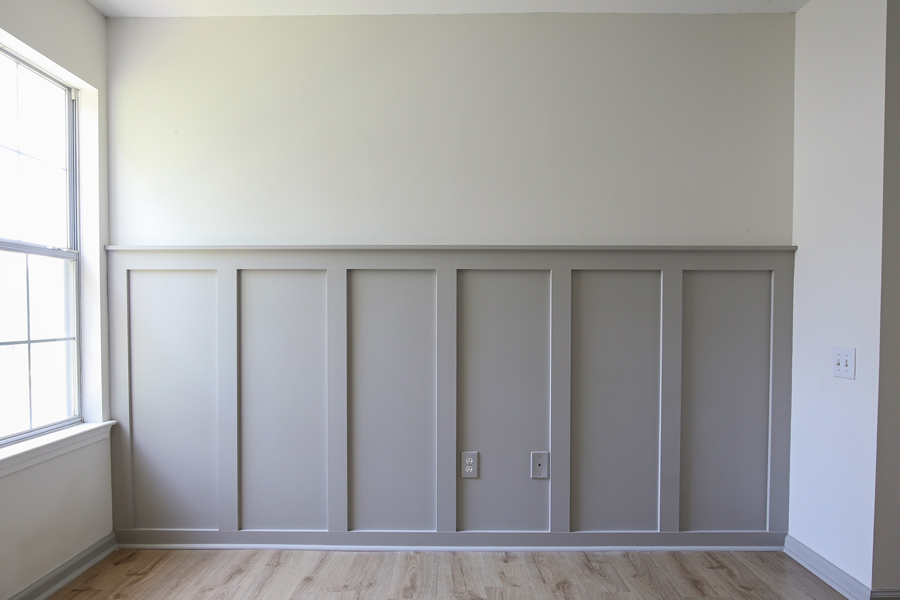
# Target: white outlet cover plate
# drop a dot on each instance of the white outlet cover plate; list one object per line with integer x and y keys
{"x": 843, "y": 362}
{"x": 468, "y": 465}
{"x": 540, "y": 465}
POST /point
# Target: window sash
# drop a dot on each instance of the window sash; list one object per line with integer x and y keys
{"x": 70, "y": 253}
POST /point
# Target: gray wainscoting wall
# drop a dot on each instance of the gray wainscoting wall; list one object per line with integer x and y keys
{"x": 321, "y": 396}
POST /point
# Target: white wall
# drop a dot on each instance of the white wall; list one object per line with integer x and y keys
{"x": 478, "y": 129}
{"x": 71, "y": 33}
{"x": 51, "y": 512}
{"x": 57, "y": 508}
{"x": 838, "y": 189}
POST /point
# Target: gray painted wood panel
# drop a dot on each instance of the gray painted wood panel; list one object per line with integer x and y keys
{"x": 227, "y": 399}
{"x": 615, "y": 400}
{"x": 283, "y": 400}
{"x": 392, "y": 401}
{"x": 446, "y": 399}
{"x": 504, "y": 386}
{"x": 725, "y": 400}
{"x": 336, "y": 314}
{"x": 500, "y": 373}
{"x": 670, "y": 401}
{"x": 560, "y": 398}
{"x": 780, "y": 399}
{"x": 121, "y": 436}
{"x": 173, "y": 398}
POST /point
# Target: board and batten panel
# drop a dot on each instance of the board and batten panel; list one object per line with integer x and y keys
{"x": 173, "y": 321}
{"x": 503, "y": 397}
{"x": 392, "y": 399}
{"x": 615, "y": 400}
{"x": 725, "y": 400}
{"x": 283, "y": 400}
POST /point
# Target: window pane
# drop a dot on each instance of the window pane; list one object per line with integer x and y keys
{"x": 42, "y": 118}
{"x": 9, "y": 193}
{"x": 34, "y": 179}
{"x": 14, "y": 389}
{"x": 52, "y": 382}
{"x": 13, "y": 299}
{"x": 41, "y": 214}
{"x": 9, "y": 119}
{"x": 51, "y": 297}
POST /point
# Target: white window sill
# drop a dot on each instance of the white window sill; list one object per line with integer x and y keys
{"x": 22, "y": 455}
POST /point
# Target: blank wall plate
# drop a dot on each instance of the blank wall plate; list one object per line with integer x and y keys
{"x": 468, "y": 465}
{"x": 843, "y": 362}
{"x": 540, "y": 465}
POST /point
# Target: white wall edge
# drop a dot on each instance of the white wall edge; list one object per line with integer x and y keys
{"x": 69, "y": 570}
{"x": 36, "y": 450}
{"x": 827, "y": 571}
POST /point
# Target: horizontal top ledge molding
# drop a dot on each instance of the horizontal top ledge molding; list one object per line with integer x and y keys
{"x": 486, "y": 248}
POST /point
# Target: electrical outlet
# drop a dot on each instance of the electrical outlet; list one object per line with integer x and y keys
{"x": 843, "y": 362}
{"x": 468, "y": 465}
{"x": 540, "y": 465}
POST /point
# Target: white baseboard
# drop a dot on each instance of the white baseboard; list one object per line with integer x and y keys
{"x": 826, "y": 571}
{"x": 885, "y": 595}
{"x": 69, "y": 570}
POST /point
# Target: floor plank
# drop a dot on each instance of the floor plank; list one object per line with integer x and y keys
{"x": 464, "y": 575}
{"x": 505, "y": 569}
{"x": 552, "y": 576}
{"x": 596, "y": 574}
{"x": 643, "y": 577}
{"x": 306, "y": 575}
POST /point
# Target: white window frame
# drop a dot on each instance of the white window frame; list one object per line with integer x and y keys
{"x": 70, "y": 253}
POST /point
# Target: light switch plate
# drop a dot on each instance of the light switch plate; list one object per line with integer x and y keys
{"x": 540, "y": 465}
{"x": 468, "y": 465}
{"x": 843, "y": 362}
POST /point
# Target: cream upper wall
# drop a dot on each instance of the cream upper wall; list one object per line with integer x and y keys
{"x": 838, "y": 192}
{"x": 71, "y": 33}
{"x": 490, "y": 129}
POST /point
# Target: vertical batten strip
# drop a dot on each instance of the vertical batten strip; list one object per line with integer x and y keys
{"x": 120, "y": 399}
{"x": 560, "y": 398}
{"x": 670, "y": 401}
{"x": 336, "y": 334}
{"x": 228, "y": 367}
{"x": 445, "y": 415}
{"x": 780, "y": 341}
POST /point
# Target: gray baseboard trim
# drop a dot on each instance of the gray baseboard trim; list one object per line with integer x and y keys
{"x": 826, "y": 571}
{"x": 69, "y": 570}
{"x": 729, "y": 540}
{"x": 885, "y": 595}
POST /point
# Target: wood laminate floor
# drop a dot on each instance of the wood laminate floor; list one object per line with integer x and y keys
{"x": 304, "y": 575}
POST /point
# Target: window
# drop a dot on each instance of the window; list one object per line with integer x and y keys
{"x": 39, "y": 258}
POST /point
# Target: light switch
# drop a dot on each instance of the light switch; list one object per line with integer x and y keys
{"x": 843, "y": 362}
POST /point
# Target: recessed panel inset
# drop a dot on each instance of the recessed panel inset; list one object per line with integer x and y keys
{"x": 392, "y": 400}
{"x": 172, "y": 321}
{"x": 615, "y": 400}
{"x": 725, "y": 400}
{"x": 283, "y": 400}
{"x": 503, "y": 379}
